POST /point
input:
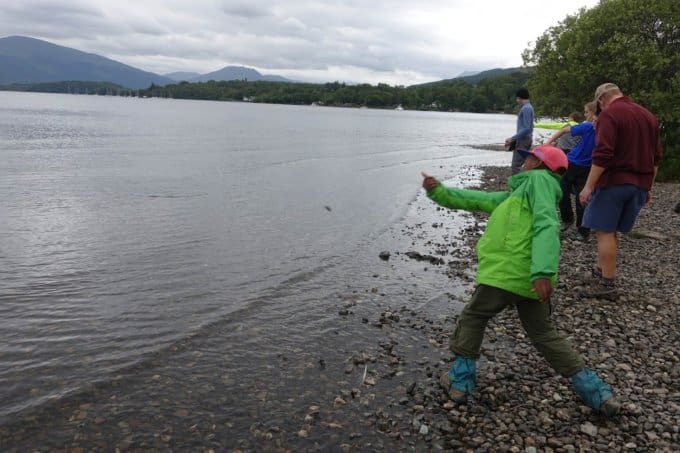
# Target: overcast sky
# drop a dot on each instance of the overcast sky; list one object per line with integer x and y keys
{"x": 390, "y": 41}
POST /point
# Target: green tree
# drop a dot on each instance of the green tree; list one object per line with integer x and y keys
{"x": 633, "y": 43}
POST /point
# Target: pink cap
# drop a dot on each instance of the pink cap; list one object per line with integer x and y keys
{"x": 553, "y": 157}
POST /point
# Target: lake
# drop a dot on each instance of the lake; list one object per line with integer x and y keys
{"x": 140, "y": 235}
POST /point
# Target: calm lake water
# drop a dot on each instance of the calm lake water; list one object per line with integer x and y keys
{"x": 128, "y": 226}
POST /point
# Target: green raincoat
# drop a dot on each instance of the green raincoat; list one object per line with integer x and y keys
{"x": 521, "y": 242}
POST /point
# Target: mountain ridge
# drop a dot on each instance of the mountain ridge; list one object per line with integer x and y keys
{"x": 30, "y": 60}
{"x": 238, "y": 73}
{"x": 474, "y": 79}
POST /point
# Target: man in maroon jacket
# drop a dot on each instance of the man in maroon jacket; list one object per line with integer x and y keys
{"x": 625, "y": 161}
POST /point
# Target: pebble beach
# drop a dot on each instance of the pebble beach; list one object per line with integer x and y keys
{"x": 383, "y": 395}
{"x": 523, "y": 405}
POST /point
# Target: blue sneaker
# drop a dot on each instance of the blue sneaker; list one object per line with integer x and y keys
{"x": 459, "y": 381}
{"x": 595, "y": 393}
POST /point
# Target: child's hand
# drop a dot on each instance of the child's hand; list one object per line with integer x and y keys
{"x": 542, "y": 288}
{"x": 429, "y": 182}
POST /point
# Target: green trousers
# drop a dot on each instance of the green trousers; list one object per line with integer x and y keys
{"x": 487, "y": 302}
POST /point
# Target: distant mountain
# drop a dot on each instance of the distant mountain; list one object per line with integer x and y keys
{"x": 182, "y": 76}
{"x": 474, "y": 79}
{"x": 238, "y": 73}
{"x": 29, "y": 60}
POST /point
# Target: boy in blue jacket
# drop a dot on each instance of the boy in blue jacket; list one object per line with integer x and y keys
{"x": 518, "y": 258}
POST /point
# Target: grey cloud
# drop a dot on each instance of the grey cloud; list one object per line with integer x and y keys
{"x": 293, "y": 36}
{"x": 148, "y": 28}
{"x": 56, "y": 21}
{"x": 29, "y": 9}
{"x": 245, "y": 10}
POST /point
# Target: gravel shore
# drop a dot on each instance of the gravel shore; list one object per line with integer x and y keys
{"x": 523, "y": 405}
{"x": 633, "y": 344}
{"x": 381, "y": 392}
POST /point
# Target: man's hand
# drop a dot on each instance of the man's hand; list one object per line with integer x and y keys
{"x": 543, "y": 289}
{"x": 429, "y": 182}
{"x": 584, "y": 196}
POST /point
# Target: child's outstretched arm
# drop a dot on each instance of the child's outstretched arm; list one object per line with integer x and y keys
{"x": 453, "y": 198}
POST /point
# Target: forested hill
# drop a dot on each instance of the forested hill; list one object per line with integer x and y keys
{"x": 493, "y": 94}
{"x": 474, "y": 79}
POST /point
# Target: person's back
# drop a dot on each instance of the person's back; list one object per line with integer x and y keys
{"x": 627, "y": 144}
{"x": 581, "y": 154}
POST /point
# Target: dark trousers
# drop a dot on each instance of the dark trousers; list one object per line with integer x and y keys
{"x": 572, "y": 184}
{"x": 487, "y": 302}
{"x": 517, "y": 158}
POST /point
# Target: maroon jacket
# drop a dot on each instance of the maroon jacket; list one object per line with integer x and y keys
{"x": 627, "y": 145}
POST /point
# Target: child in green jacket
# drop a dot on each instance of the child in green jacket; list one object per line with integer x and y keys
{"x": 518, "y": 258}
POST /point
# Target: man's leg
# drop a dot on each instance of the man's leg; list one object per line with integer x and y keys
{"x": 607, "y": 244}
{"x": 517, "y": 162}
{"x": 517, "y": 158}
{"x": 602, "y": 214}
{"x": 611, "y": 209}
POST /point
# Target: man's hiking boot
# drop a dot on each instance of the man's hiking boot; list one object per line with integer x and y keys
{"x": 454, "y": 395}
{"x": 564, "y": 226}
{"x": 594, "y": 276}
{"x": 602, "y": 288}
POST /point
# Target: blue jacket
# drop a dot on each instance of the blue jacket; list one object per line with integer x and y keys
{"x": 581, "y": 153}
{"x": 525, "y": 122}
